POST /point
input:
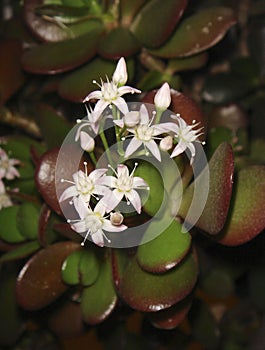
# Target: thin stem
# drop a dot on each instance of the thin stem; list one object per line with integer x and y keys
{"x": 106, "y": 146}
{"x": 93, "y": 158}
{"x": 158, "y": 116}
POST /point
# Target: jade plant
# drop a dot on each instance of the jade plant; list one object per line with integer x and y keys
{"x": 120, "y": 200}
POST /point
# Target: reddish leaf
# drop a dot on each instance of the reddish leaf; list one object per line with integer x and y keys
{"x": 129, "y": 9}
{"x": 165, "y": 15}
{"x": 11, "y": 75}
{"x": 247, "y": 217}
{"x": 198, "y": 33}
{"x": 39, "y": 282}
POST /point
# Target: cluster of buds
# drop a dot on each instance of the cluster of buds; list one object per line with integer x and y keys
{"x": 97, "y": 196}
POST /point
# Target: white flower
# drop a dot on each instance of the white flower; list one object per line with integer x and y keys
{"x": 162, "y": 98}
{"x": 131, "y": 119}
{"x": 84, "y": 185}
{"x": 124, "y": 185}
{"x": 93, "y": 222}
{"x": 87, "y": 142}
{"x": 5, "y": 200}
{"x": 144, "y": 134}
{"x": 7, "y": 169}
{"x": 185, "y": 136}
{"x": 91, "y": 122}
{"x": 111, "y": 91}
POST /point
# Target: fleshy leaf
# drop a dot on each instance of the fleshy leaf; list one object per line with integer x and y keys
{"x": 164, "y": 14}
{"x": 39, "y": 283}
{"x": 129, "y": 9}
{"x": 187, "y": 63}
{"x": 70, "y": 268}
{"x": 88, "y": 268}
{"x": 47, "y": 219}
{"x": 210, "y": 25}
{"x": 21, "y": 252}
{"x": 52, "y": 58}
{"x": 119, "y": 42}
{"x": 147, "y": 292}
{"x": 11, "y": 75}
{"x": 99, "y": 300}
{"x": 221, "y": 169}
{"x": 165, "y": 251}
{"x": 27, "y": 220}
{"x": 170, "y": 318}
{"x": 246, "y": 219}
{"x": 8, "y": 229}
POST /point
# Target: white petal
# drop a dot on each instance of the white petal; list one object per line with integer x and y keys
{"x": 122, "y": 170}
{"x": 121, "y": 105}
{"x": 128, "y": 90}
{"x": 112, "y": 200}
{"x": 97, "y": 238}
{"x": 180, "y": 148}
{"x": 93, "y": 95}
{"x": 132, "y": 147}
{"x": 135, "y": 200}
{"x": 70, "y": 192}
{"x": 107, "y": 226}
{"x": 120, "y": 75}
{"x": 97, "y": 173}
{"x": 99, "y": 108}
{"x": 86, "y": 142}
{"x": 107, "y": 181}
{"x": 144, "y": 116}
{"x": 162, "y": 98}
{"x": 100, "y": 208}
{"x": 81, "y": 207}
{"x": 153, "y": 148}
{"x": 139, "y": 182}
{"x": 119, "y": 123}
{"x": 165, "y": 127}
{"x": 79, "y": 227}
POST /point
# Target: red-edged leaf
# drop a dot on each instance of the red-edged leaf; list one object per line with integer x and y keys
{"x": 165, "y": 15}
{"x": 39, "y": 282}
{"x": 198, "y": 33}
{"x": 21, "y": 252}
{"x": 11, "y": 75}
{"x": 147, "y": 292}
{"x": 52, "y": 58}
{"x": 247, "y": 217}
{"x": 221, "y": 169}
{"x": 129, "y": 9}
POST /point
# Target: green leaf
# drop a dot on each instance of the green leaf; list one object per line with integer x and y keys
{"x": 197, "y": 33}
{"x": 20, "y": 252}
{"x": 28, "y": 220}
{"x": 8, "y": 229}
{"x": 119, "y": 42}
{"x": 246, "y": 219}
{"x": 187, "y": 63}
{"x": 70, "y": 268}
{"x": 129, "y": 9}
{"x": 99, "y": 299}
{"x": 88, "y": 267}
{"x": 221, "y": 169}
{"x": 51, "y": 58}
{"x": 147, "y": 292}
{"x": 39, "y": 283}
{"x": 165, "y": 251}
{"x": 164, "y": 14}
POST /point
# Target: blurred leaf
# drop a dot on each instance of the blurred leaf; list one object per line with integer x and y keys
{"x": 13, "y": 324}
{"x": 164, "y": 14}
{"x": 170, "y": 318}
{"x": 52, "y": 58}
{"x": 221, "y": 169}
{"x": 165, "y": 251}
{"x": 8, "y": 229}
{"x": 246, "y": 218}
{"x": 11, "y": 74}
{"x": 197, "y": 33}
{"x": 225, "y": 87}
{"x": 147, "y": 292}
{"x": 88, "y": 267}
{"x": 70, "y": 268}
{"x": 28, "y": 220}
{"x": 129, "y": 9}
{"x": 119, "y": 42}
{"x": 39, "y": 283}
{"x": 257, "y": 150}
{"x": 151, "y": 80}
{"x": 257, "y": 286}
{"x": 187, "y": 63}
{"x": 21, "y": 252}
{"x": 255, "y": 41}
{"x": 54, "y": 127}
{"x": 47, "y": 219}
{"x": 218, "y": 283}
{"x": 99, "y": 300}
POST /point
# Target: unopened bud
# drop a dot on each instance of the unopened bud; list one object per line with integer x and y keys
{"x": 131, "y": 119}
{"x": 166, "y": 143}
{"x": 87, "y": 142}
{"x": 120, "y": 75}
{"x": 116, "y": 218}
{"x": 162, "y": 98}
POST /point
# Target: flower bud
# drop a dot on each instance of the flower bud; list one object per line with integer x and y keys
{"x": 116, "y": 218}
{"x": 162, "y": 98}
{"x": 166, "y": 143}
{"x": 87, "y": 142}
{"x": 120, "y": 75}
{"x": 131, "y": 119}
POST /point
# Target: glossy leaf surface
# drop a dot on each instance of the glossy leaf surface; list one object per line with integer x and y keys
{"x": 8, "y": 229}
{"x": 145, "y": 291}
{"x": 27, "y": 220}
{"x": 22, "y": 251}
{"x": 165, "y": 251}
{"x": 52, "y": 58}
{"x": 197, "y": 33}
{"x": 39, "y": 283}
{"x": 247, "y": 217}
{"x": 99, "y": 300}
{"x": 164, "y": 14}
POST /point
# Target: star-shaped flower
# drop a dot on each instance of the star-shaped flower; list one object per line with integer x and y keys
{"x": 124, "y": 185}
{"x": 5, "y": 200}
{"x": 7, "y": 166}
{"x": 93, "y": 222}
{"x": 111, "y": 91}
{"x": 85, "y": 185}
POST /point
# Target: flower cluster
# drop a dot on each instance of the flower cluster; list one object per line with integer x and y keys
{"x": 7, "y": 172}
{"x": 97, "y": 196}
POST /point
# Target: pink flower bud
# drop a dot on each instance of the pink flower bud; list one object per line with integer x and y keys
{"x": 162, "y": 98}
{"x": 166, "y": 143}
{"x": 87, "y": 142}
{"x": 116, "y": 218}
{"x": 120, "y": 75}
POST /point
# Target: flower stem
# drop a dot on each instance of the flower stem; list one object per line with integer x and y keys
{"x": 158, "y": 116}
{"x": 106, "y": 146}
{"x": 92, "y": 157}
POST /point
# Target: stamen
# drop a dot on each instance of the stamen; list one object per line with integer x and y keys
{"x": 85, "y": 164}
{"x": 106, "y": 238}
{"x": 78, "y": 121}
{"x": 111, "y": 167}
{"x": 134, "y": 168}
{"x": 70, "y": 182}
{"x": 83, "y": 243}
{"x": 151, "y": 120}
